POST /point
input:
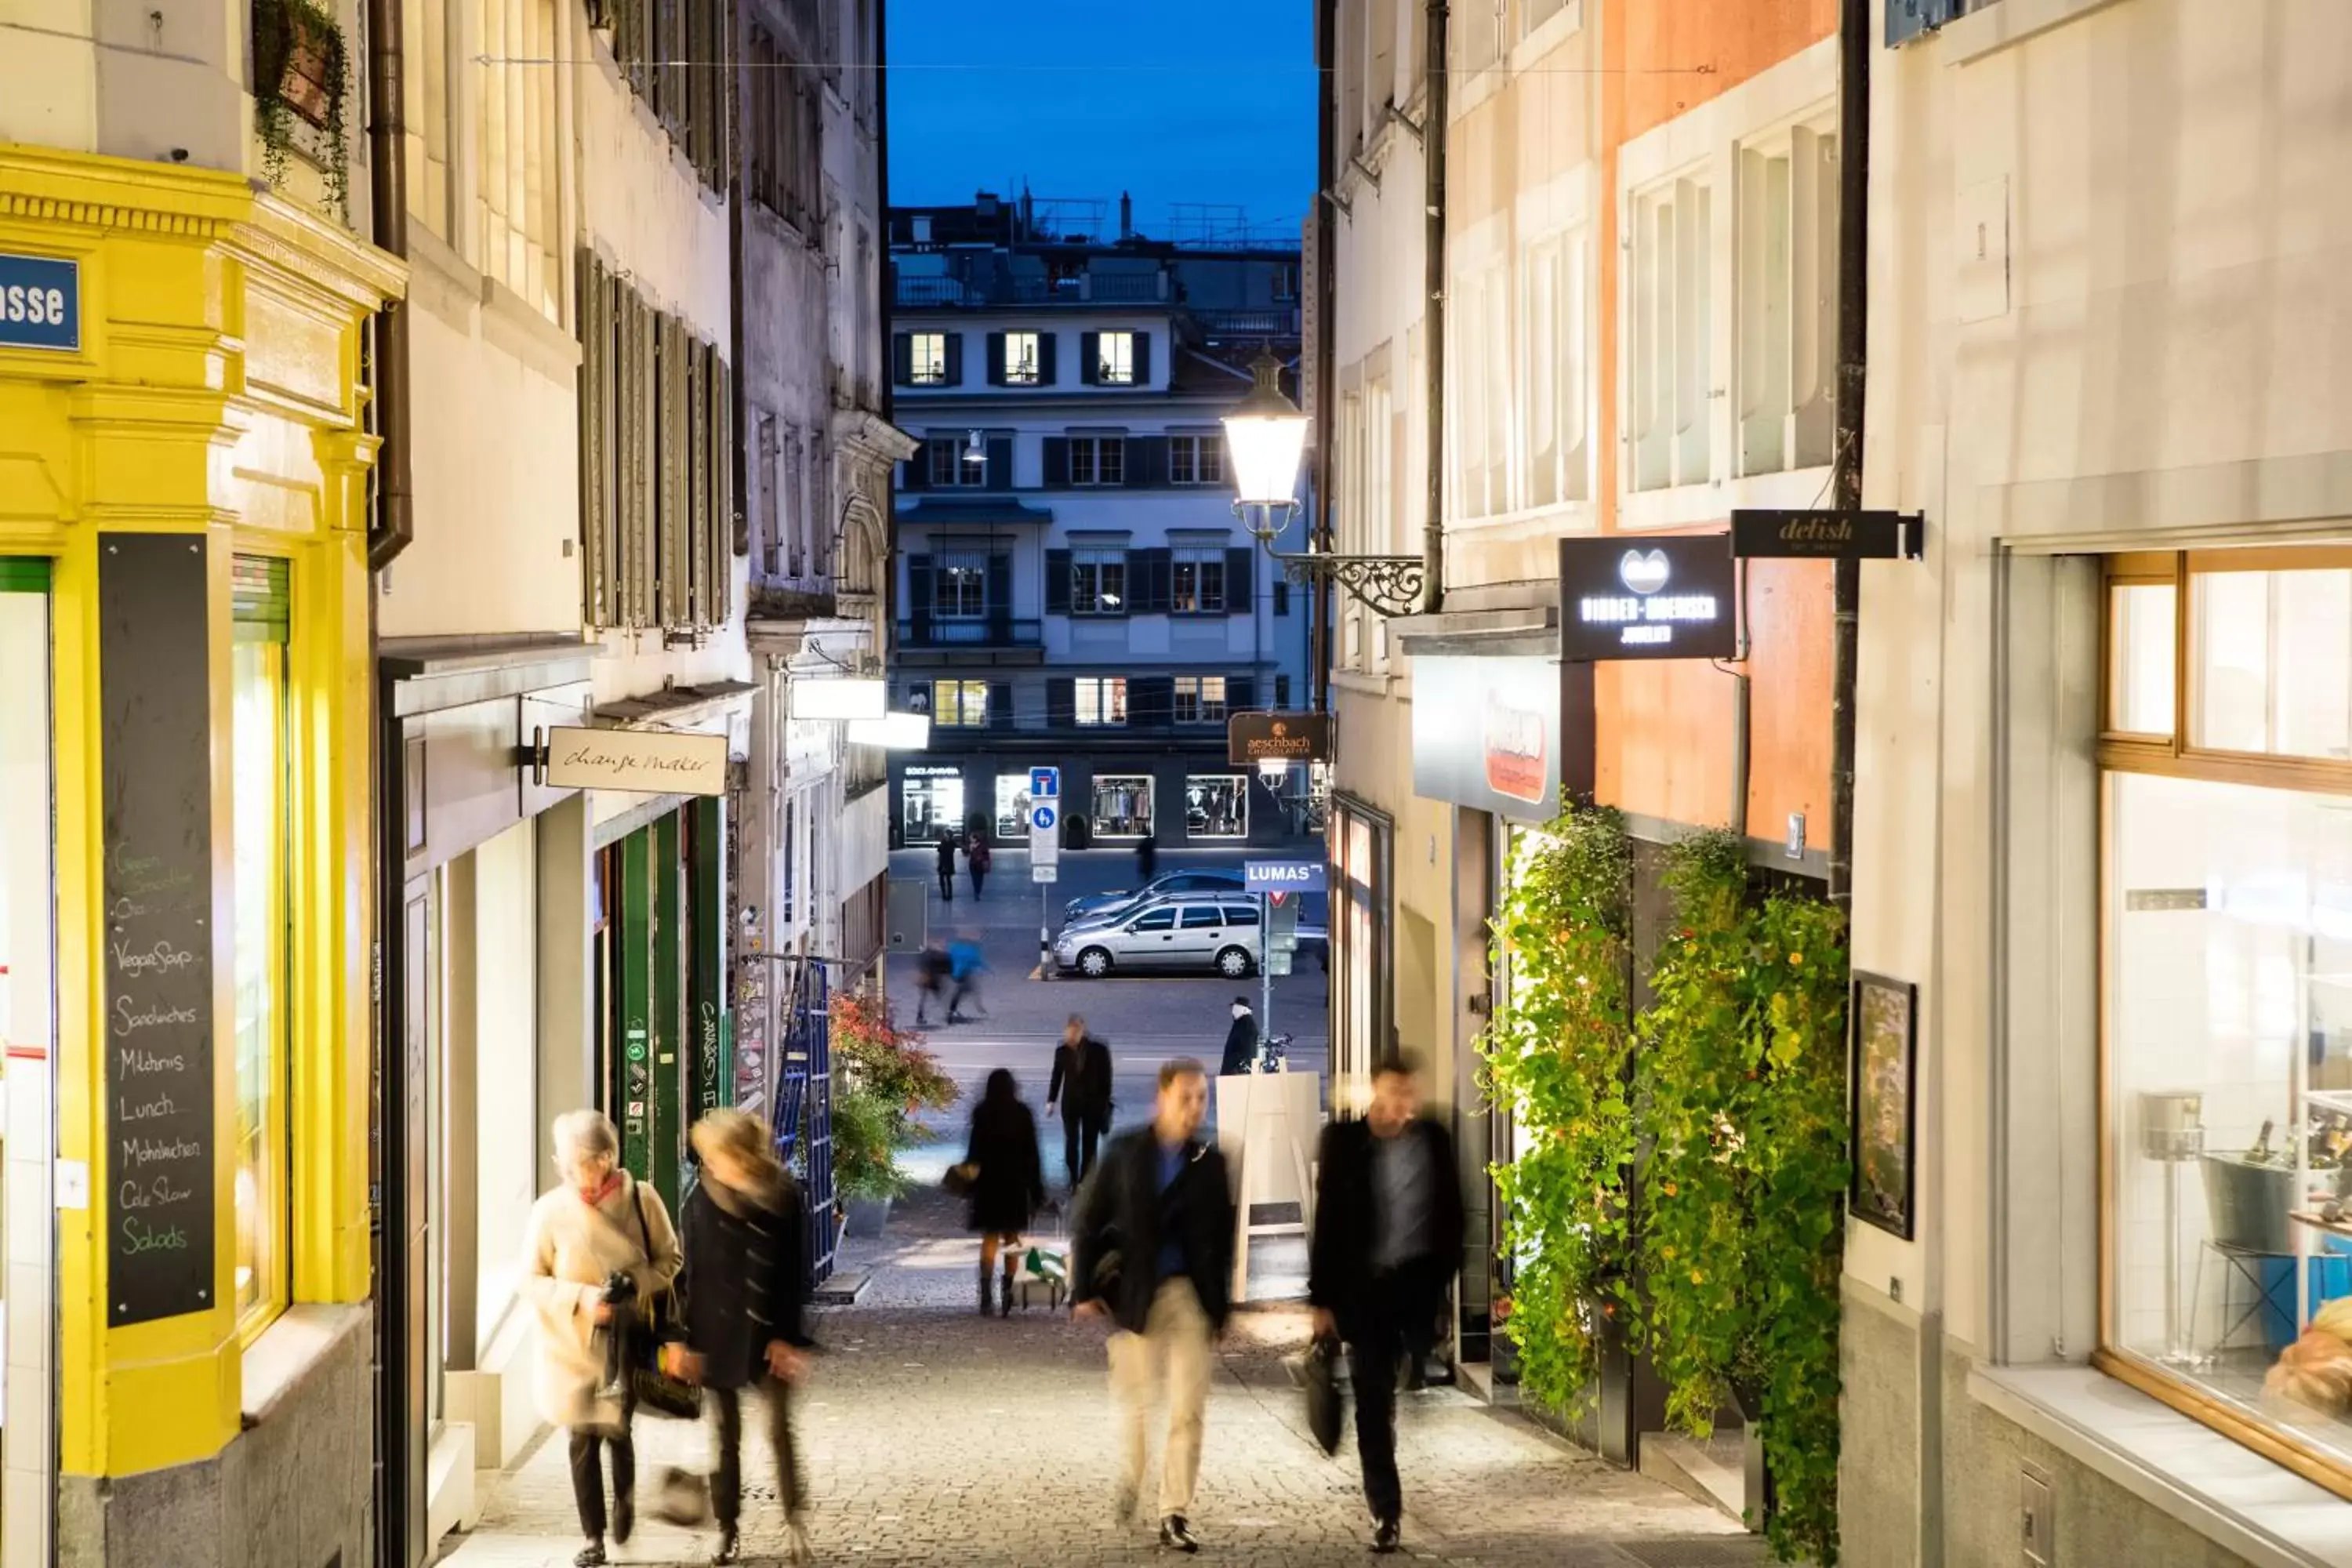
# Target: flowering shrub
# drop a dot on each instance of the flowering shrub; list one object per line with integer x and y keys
{"x": 884, "y": 1078}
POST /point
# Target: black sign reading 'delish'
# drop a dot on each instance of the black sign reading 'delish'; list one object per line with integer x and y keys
{"x": 155, "y": 737}
{"x": 1637, "y": 596}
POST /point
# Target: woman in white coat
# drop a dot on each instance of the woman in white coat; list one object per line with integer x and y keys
{"x": 601, "y": 1222}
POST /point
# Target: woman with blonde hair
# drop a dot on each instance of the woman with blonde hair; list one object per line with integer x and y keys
{"x": 599, "y": 1235}
{"x": 746, "y": 1291}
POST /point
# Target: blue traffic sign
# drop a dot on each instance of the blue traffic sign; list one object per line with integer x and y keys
{"x": 1041, "y": 816}
{"x": 40, "y": 302}
{"x": 1283, "y": 876}
{"x": 1044, "y": 783}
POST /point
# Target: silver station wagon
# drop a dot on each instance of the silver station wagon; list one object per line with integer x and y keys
{"x": 1201, "y": 934}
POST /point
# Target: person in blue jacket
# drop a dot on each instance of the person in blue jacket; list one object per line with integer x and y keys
{"x": 965, "y": 967}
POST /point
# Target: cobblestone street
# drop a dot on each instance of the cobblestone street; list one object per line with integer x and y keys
{"x": 932, "y": 1436}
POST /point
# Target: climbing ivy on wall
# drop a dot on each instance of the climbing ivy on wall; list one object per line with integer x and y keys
{"x": 301, "y": 75}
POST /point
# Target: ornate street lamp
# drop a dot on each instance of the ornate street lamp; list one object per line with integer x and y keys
{"x": 1264, "y": 434}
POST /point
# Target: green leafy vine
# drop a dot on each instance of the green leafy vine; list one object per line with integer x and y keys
{"x": 1556, "y": 1056}
{"x": 288, "y": 35}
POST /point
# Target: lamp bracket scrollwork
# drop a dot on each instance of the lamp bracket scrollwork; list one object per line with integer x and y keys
{"x": 1390, "y": 584}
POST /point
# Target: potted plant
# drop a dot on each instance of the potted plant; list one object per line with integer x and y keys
{"x": 886, "y": 1080}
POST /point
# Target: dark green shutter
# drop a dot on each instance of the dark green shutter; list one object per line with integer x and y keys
{"x": 996, "y": 359}
{"x": 1152, "y": 579}
{"x": 1241, "y": 693}
{"x": 1144, "y": 359}
{"x": 999, "y": 463}
{"x": 1045, "y": 372}
{"x": 1000, "y": 705}
{"x": 1000, "y": 598}
{"x": 1057, "y": 462}
{"x": 1090, "y": 358}
{"x": 1151, "y": 700}
{"x": 1061, "y": 702}
{"x": 918, "y": 598}
{"x": 955, "y": 359}
{"x": 1240, "y": 562}
{"x": 902, "y": 359}
{"x": 263, "y": 605}
{"x": 24, "y": 574}
{"x": 1057, "y": 582}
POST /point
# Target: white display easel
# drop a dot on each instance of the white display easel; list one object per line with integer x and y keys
{"x": 1264, "y": 1125}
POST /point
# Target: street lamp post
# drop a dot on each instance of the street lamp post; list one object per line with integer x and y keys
{"x": 1264, "y": 434}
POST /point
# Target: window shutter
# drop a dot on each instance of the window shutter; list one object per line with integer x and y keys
{"x": 918, "y": 598}
{"x": 1000, "y": 462}
{"x": 996, "y": 359}
{"x": 1046, "y": 342}
{"x": 902, "y": 359}
{"x": 1241, "y": 693}
{"x": 1090, "y": 358}
{"x": 1154, "y": 581}
{"x": 1151, "y": 700}
{"x": 1147, "y": 461}
{"x": 1240, "y": 561}
{"x": 1144, "y": 359}
{"x": 955, "y": 359}
{"x": 1281, "y": 598}
{"x": 1061, "y": 702}
{"x": 1000, "y": 596}
{"x": 1057, "y": 462}
{"x": 916, "y": 471}
{"x": 261, "y": 602}
{"x": 1057, "y": 582}
{"x": 1000, "y": 705}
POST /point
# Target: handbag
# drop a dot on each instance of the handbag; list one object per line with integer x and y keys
{"x": 651, "y": 1388}
{"x": 960, "y": 1180}
{"x": 1322, "y": 1380}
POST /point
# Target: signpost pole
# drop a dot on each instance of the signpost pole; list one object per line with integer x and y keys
{"x": 1264, "y": 967}
{"x": 1045, "y": 930}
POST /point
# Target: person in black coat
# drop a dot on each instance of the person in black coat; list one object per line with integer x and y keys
{"x": 1008, "y": 1182}
{"x": 744, "y": 1289}
{"x": 1387, "y": 1243}
{"x": 1081, "y": 1086}
{"x": 1241, "y": 1040}
{"x": 1154, "y": 1254}
{"x": 947, "y": 867}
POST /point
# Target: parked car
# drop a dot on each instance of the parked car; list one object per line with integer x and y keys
{"x": 1315, "y": 944}
{"x": 1208, "y": 935}
{"x": 1120, "y": 900}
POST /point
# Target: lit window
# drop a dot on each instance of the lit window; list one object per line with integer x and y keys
{"x": 1217, "y": 805}
{"x": 1097, "y": 460}
{"x": 1101, "y": 699}
{"x": 1671, "y": 311}
{"x": 960, "y": 585}
{"x": 1099, "y": 582}
{"x": 261, "y": 755}
{"x": 1199, "y": 699}
{"x": 1114, "y": 359}
{"x": 961, "y": 704}
{"x": 1012, "y": 804}
{"x": 1196, "y": 459}
{"x": 927, "y": 359}
{"x": 1022, "y": 359}
{"x": 1122, "y": 806}
{"x": 1200, "y": 582}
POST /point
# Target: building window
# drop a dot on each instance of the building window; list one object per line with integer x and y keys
{"x": 1100, "y": 699}
{"x": 1023, "y": 360}
{"x": 671, "y": 56}
{"x": 1671, "y": 308}
{"x": 1281, "y": 598}
{"x": 1217, "y": 805}
{"x": 1787, "y": 302}
{"x": 2227, "y": 918}
{"x": 1011, "y": 805}
{"x": 781, "y": 149}
{"x": 1114, "y": 359}
{"x": 261, "y": 756}
{"x": 1200, "y": 700}
{"x": 1281, "y": 692}
{"x": 1196, "y": 459}
{"x": 926, "y": 361}
{"x": 1122, "y": 806}
{"x": 1097, "y": 460}
{"x": 1099, "y": 582}
{"x": 951, "y": 465}
{"x": 1200, "y": 582}
{"x": 1554, "y": 349}
{"x": 960, "y": 704}
{"x": 960, "y": 585}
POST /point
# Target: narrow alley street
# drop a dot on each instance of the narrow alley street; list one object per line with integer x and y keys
{"x": 933, "y": 1437}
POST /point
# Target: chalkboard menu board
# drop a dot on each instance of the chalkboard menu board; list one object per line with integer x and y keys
{"x": 155, "y": 735}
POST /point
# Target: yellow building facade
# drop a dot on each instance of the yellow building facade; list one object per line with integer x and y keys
{"x": 185, "y": 891}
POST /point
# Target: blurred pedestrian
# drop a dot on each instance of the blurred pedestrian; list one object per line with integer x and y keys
{"x": 977, "y": 859}
{"x": 931, "y": 967}
{"x": 1387, "y": 1241}
{"x": 965, "y": 967}
{"x": 1147, "y": 857}
{"x": 1154, "y": 1240}
{"x": 1241, "y": 1039}
{"x": 598, "y": 1250}
{"x": 1081, "y": 1086}
{"x": 947, "y": 848}
{"x": 1008, "y": 1182}
{"x": 746, "y": 1289}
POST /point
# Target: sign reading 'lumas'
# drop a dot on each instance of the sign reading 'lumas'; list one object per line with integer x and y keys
{"x": 1647, "y": 598}
{"x": 648, "y": 762}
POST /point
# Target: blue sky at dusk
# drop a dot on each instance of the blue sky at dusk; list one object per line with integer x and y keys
{"x": 1212, "y": 100}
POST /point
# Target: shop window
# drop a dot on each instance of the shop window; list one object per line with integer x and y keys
{"x": 1011, "y": 805}
{"x": 1099, "y": 582}
{"x": 1200, "y": 700}
{"x": 933, "y": 804}
{"x": 959, "y": 703}
{"x": 1122, "y": 806}
{"x": 2227, "y": 893}
{"x": 1100, "y": 699}
{"x": 261, "y": 757}
{"x": 1217, "y": 805}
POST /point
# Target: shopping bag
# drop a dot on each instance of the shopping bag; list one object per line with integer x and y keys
{"x": 682, "y": 1498}
{"x": 1323, "y": 1412}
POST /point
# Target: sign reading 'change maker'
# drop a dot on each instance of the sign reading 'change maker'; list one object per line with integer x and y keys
{"x": 155, "y": 734}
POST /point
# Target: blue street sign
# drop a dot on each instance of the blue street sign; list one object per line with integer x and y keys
{"x": 1040, "y": 817}
{"x": 1283, "y": 876}
{"x": 1044, "y": 783}
{"x": 40, "y": 302}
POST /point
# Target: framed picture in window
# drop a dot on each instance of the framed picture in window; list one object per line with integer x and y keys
{"x": 1884, "y": 1092}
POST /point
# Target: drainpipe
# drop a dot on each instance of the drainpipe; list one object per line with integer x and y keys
{"x": 1853, "y": 350}
{"x": 396, "y": 519}
{"x": 1318, "y": 594}
{"x": 1433, "y": 152}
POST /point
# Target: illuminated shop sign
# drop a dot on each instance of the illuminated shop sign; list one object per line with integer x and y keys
{"x": 1647, "y": 598}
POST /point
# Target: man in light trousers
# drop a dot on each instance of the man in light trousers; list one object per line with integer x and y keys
{"x": 1154, "y": 1240}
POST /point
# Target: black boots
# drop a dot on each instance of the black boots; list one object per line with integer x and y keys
{"x": 1004, "y": 1293}
{"x": 987, "y": 1299}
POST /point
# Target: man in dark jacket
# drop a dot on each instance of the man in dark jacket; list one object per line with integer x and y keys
{"x": 1388, "y": 1240}
{"x": 1154, "y": 1238}
{"x": 1241, "y": 1040}
{"x": 1081, "y": 1086}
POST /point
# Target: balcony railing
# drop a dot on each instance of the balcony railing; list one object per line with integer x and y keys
{"x": 919, "y": 290}
{"x": 1281, "y": 322}
{"x": 986, "y": 632}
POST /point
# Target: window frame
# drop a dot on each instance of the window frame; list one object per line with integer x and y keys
{"x": 265, "y": 621}
{"x": 957, "y": 565}
{"x": 952, "y": 704}
{"x": 952, "y": 473}
{"x": 1190, "y": 454}
{"x": 1115, "y": 371}
{"x": 1201, "y": 703}
{"x": 1110, "y": 697}
{"x": 923, "y": 372}
{"x": 1036, "y": 362}
{"x": 1199, "y": 557}
{"x": 1239, "y": 785}
{"x": 1104, "y": 454}
{"x": 1659, "y": 406}
{"x": 1088, "y": 600}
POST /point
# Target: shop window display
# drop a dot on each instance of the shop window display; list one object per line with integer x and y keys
{"x": 1122, "y": 806}
{"x": 1217, "y": 805}
{"x": 260, "y": 759}
{"x": 1011, "y": 805}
